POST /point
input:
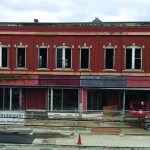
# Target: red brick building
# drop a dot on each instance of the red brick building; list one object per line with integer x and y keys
{"x": 68, "y": 66}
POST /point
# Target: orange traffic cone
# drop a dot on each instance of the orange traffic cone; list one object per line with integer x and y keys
{"x": 79, "y": 140}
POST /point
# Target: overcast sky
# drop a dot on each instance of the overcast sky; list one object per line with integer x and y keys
{"x": 74, "y": 10}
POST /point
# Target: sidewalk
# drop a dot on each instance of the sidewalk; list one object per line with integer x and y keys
{"x": 71, "y": 138}
{"x": 89, "y": 139}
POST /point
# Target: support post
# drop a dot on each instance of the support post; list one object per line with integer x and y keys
{"x": 51, "y": 99}
{"x": 124, "y": 102}
{"x": 10, "y": 104}
{"x": 20, "y": 99}
{"x": 83, "y": 100}
{"x": 47, "y": 99}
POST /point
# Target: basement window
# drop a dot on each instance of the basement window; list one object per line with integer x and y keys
{"x": 109, "y": 58}
{"x": 3, "y": 57}
{"x": 84, "y": 58}
{"x": 21, "y": 57}
{"x": 43, "y": 57}
{"x": 133, "y": 57}
{"x": 64, "y": 57}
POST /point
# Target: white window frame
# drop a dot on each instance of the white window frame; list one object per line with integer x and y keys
{"x": 109, "y": 47}
{"x": 63, "y": 57}
{"x": 39, "y": 57}
{"x": 85, "y": 47}
{"x": 133, "y": 57}
{"x": 17, "y": 56}
{"x": 4, "y": 46}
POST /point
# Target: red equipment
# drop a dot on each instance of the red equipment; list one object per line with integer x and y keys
{"x": 141, "y": 109}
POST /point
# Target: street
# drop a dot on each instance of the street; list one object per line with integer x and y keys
{"x": 51, "y": 147}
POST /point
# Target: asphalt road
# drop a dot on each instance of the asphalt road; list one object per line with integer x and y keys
{"x": 16, "y": 138}
{"x": 25, "y": 138}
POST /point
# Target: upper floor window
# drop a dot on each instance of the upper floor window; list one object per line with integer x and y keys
{"x": 133, "y": 57}
{"x": 109, "y": 58}
{"x": 43, "y": 57}
{"x": 64, "y": 57}
{"x": 21, "y": 60}
{"x": 3, "y": 56}
{"x": 84, "y": 57}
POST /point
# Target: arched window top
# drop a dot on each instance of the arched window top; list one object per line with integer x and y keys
{"x": 63, "y": 47}
{"x": 42, "y": 46}
{"x": 111, "y": 47}
{"x": 21, "y": 46}
{"x": 134, "y": 47}
{"x": 3, "y": 45}
{"x": 85, "y": 47}
{"x": 133, "y": 55}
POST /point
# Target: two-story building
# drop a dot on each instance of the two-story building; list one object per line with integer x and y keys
{"x": 66, "y": 66}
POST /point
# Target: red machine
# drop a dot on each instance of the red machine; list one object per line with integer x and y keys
{"x": 141, "y": 109}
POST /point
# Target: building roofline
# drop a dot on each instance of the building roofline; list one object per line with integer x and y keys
{"x": 71, "y": 24}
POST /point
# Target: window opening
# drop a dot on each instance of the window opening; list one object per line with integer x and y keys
{"x": 64, "y": 57}
{"x": 109, "y": 58}
{"x": 65, "y": 99}
{"x": 84, "y": 58}
{"x": 20, "y": 57}
{"x": 3, "y": 56}
{"x": 42, "y": 57}
{"x": 15, "y": 99}
{"x": 133, "y": 58}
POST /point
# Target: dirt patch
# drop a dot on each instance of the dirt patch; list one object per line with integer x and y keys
{"x": 105, "y": 130}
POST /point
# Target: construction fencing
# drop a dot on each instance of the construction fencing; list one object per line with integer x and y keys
{"x": 104, "y": 122}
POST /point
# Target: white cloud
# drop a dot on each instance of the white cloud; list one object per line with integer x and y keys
{"x": 74, "y": 10}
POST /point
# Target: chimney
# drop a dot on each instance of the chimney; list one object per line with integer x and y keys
{"x": 36, "y": 20}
